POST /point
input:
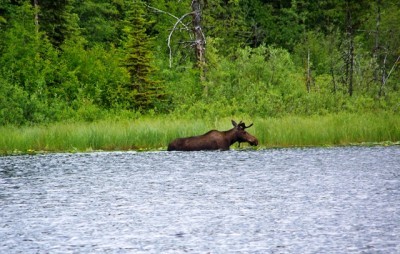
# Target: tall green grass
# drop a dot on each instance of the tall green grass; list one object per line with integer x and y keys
{"x": 329, "y": 130}
{"x": 155, "y": 133}
{"x": 144, "y": 133}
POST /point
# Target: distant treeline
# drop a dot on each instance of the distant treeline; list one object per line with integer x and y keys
{"x": 89, "y": 59}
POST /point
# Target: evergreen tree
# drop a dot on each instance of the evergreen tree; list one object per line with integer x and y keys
{"x": 57, "y": 20}
{"x": 4, "y": 11}
{"x": 145, "y": 93}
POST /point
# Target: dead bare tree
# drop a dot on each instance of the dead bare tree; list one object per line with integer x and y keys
{"x": 178, "y": 21}
{"x": 386, "y": 77}
{"x": 198, "y": 40}
{"x": 377, "y": 48}
{"x": 380, "y": 54}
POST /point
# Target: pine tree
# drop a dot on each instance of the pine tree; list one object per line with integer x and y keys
{"x": 56, "y": 19}
{"x": 145, "y": 93}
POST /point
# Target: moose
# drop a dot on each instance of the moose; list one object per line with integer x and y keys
{"x": 215, "y": 140}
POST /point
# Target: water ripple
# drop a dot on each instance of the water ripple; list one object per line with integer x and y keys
{"x": 336, "y": 200}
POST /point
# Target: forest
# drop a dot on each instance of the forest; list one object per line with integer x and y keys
{"x": 89, "y": 60}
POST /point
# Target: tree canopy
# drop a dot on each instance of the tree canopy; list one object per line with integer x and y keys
{"x": 86, "y": 58}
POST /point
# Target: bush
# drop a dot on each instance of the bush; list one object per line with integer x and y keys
{"x": 12, "y": 104}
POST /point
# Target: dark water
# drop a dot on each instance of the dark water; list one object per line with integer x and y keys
{"x": 329, "y": 200}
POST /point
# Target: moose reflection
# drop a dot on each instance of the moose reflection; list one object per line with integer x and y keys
{"x": 215, "y": 140}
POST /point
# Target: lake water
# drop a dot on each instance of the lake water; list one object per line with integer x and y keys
{"x": 314, "y": 200}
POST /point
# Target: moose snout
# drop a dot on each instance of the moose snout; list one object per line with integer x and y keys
{"x": 254, "y": 142}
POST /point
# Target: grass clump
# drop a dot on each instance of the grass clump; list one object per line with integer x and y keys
{"x": 154, "y": 133}
{"x": 329, "y": 130}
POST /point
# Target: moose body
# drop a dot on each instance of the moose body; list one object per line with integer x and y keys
{"x": 214, "y": 140}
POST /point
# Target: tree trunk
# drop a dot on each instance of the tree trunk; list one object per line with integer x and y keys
{"x": 376, "y": 52}
{"x": 308, "y": 78}
{"x": 200, "y": 41}
{"x": 350, "y": 50}
{"x": 351, "y": 65}
{"x": 383, "y": 80}
{"x": 36, "y": 8}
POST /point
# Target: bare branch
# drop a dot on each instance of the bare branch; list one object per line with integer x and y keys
{"x": 393, "y": 67}
{"x": 170, "y": 35}
{"x": 386, "y": 77}
{"x": 168, "y": 13}
{"x": 178, "y": 21}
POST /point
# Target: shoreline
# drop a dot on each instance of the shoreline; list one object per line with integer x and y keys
{"x": 154, "y": 133}
{"x": 164, "y": 149}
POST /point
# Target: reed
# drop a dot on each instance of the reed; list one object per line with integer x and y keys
{"x": 144, "y": 133}
{"x": 330, "y": 130}
{"x": 155, "y": 133}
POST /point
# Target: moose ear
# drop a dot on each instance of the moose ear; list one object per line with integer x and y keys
{"x": 234, "y": 123}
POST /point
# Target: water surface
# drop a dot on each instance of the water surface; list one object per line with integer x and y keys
{"x": 316, "y": 200}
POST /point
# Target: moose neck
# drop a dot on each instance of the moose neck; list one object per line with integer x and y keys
{"x": 231, "y": 136}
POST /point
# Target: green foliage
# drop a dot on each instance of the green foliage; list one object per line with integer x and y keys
{"x": 99, "y": 20}
{"x": 182, "y": 87}
{"x": 225, "y": 20}
{"x": 92, "y": 75}
{"x": 13, "y": 101}
{"x": 260, "y": 81}
{"x": 85, "y": 60}
{"x": 26, "y": 69}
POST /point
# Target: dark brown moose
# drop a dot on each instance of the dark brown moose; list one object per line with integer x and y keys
{"x": 215, "y": 140}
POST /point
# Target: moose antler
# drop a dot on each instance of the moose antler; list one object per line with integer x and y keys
{"x": 243, "y": 125}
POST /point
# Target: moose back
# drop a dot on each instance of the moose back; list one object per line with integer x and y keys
{"x": 215, "y": 140}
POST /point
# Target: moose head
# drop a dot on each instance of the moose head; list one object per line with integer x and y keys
{"x": 242, "y": 135}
